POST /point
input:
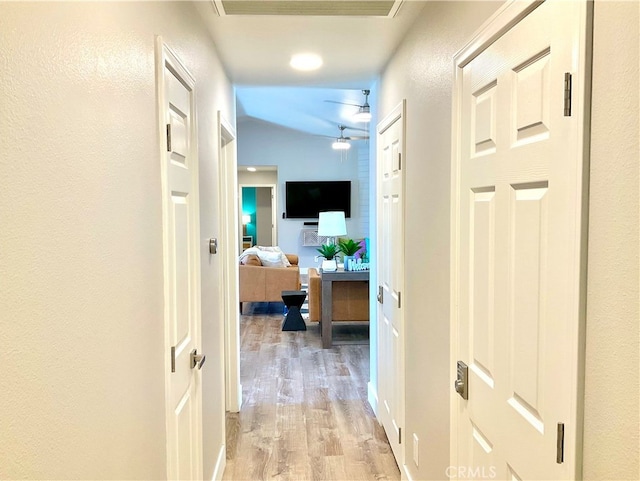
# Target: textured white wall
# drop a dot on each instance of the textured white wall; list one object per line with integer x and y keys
{"x": 81, "y": 310}
{"x": 422, "y": 72}
{"x": 299, "y": 156}
{"x": 611, "y": 427}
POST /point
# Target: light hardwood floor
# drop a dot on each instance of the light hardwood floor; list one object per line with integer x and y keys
{"x": 305, "y": 414}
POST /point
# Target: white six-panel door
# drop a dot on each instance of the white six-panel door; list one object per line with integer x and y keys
{"x": 390, "y": 264}
{"x": 179, "y": 172}
{"x": 518, "y": 269}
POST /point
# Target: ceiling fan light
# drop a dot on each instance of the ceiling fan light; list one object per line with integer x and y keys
{"x": 341, "y": 144}
{"x": 363, "y": 114}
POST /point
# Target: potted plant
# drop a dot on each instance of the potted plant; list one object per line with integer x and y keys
{"x": 329, "y": 252}
{"x": 349, "y": 248}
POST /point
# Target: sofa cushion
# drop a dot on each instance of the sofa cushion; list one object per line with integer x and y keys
{"x": 293, "y": 259}
{"x": 265, "y": 284}
{"x": 251, "y": 260}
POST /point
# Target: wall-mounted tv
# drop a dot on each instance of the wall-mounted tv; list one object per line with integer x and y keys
{"x": 306, "y": 199}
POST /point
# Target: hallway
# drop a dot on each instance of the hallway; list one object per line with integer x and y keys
{"x": 85, "y": 345}
{"x": 305, "y": 414}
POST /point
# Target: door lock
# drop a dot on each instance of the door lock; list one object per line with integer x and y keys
{"x": 197, "y": 360}
{"x": 461, "y": 384}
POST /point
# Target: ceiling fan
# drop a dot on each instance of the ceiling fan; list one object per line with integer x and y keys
{"x": 341, "y": 143}
{"x": 364, "y": 111}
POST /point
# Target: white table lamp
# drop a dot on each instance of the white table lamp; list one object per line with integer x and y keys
{"x": 331, "y": 225}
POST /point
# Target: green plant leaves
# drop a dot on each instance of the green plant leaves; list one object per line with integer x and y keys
{"x": 328, "y": 251}
{"x": 349, "y": 247}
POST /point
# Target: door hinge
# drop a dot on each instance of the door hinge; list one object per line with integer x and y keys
{"x": 399, "y": 300}
{"x": 173, "y": 358}
{"x": 168, "y": 137}
{"x": 399, "y": 435}
{"x": 567, "y": 94}
{"x": 560, "y": 444}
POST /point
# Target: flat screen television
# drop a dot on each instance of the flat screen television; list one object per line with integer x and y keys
{"x": 306, "y": 199}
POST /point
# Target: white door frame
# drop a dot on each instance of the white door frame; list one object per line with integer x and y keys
{"x": 274, "y": 203}
{"x": 500, "y": 22}
{"x": 229, "y": 293}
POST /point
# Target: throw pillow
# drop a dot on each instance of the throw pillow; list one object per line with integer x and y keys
{"x": 283, "y": 257}
{"x": 270, "y": 259}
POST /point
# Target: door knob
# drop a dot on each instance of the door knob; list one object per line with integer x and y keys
{"x": 213, "y": 245}
{"x": 461, "y": 384}
{"x": 197, "y": 360}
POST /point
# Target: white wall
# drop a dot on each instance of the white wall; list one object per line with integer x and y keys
{"x": 81, "y": 310}
{"x": 300, "y": 156}
{"x": 260, "y": 177}
{"x": 611, "y": 426}
{"x": 421, "y": 71}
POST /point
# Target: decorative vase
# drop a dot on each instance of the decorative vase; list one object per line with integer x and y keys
{"x": 349, "y": 262}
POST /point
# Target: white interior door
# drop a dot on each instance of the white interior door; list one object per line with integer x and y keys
{"x": 390, "y": 264}
{"x": 181, "y": 266}
{"x": 517, "y": 268}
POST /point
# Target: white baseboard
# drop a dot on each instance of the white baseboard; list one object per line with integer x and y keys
{"x": 372, "y": 396}
{"x": 221, "y": 463}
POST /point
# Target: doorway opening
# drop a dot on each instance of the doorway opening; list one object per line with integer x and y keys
{"x": 257, "y": 200}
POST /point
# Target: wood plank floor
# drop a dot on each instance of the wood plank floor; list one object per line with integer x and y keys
{"x": 305, "y": 414}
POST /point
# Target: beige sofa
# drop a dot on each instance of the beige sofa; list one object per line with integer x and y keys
{"x": 265, "y": 284}
{"x": 350, "y": 300}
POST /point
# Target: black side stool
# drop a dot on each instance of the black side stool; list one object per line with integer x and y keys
{"x": 293, "y": 321}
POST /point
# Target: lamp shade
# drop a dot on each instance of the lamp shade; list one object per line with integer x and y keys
{"x": 332, "y": 224}
{"x": 246, "y": 219}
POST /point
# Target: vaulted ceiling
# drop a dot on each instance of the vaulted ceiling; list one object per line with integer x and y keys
{"x": 256, "y": 39}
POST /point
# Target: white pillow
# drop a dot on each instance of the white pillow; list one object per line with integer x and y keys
{"x": 275, "y": 249}
{"x": 270, "y": 259}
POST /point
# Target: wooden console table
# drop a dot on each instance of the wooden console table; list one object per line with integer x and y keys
{"x": 327, "y": 297}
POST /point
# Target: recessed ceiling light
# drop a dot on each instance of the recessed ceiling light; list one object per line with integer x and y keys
{"x": 251, "y": 169}
{"x": 306, "y": 61}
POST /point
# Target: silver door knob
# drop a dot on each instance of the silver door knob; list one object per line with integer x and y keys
{"x": 213, "y": 245}
{"x": 197, "y": 360}
{"x": 459, "y": 385}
